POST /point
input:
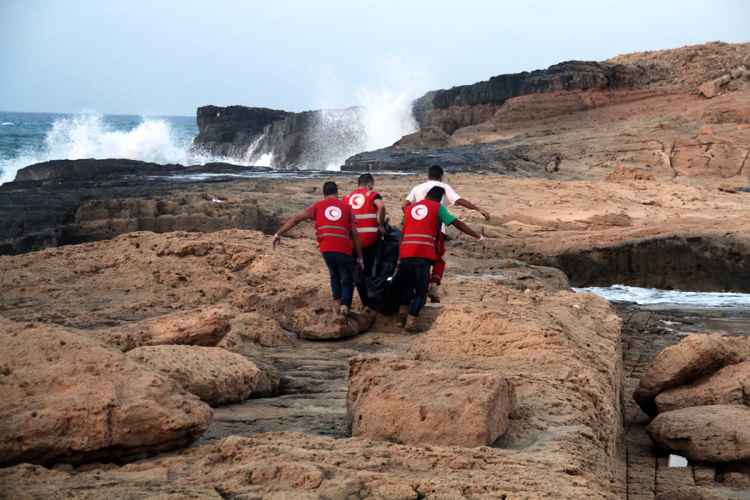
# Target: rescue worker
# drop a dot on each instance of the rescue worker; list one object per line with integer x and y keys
{"x": 337, "y": 240}
{"x": 419, "y": 250}
{"x": 418, "y": 193}
{"x": 369, "y": 216}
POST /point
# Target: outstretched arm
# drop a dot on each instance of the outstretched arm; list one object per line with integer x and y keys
{"x": 288, "y": 225}
{"x": 461, "y": 202}
{"x": 464, "y": 228}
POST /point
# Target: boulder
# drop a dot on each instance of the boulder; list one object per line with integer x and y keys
{"x": 68, "y": 398}
{"x": 215, "y": 375}
{"x": 712, "y": 433}
{"x": 320, "y": 323}
{"x": 204, "y": 327}
{"x": 730, "y": 385}
{"x": 418, "y": 403}
{"x": 255, "y": 329}
{"x": 712, "y": 87}
{"x": 694, "y": 357}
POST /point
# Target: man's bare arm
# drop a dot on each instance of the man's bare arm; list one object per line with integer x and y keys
{"x": 357, "y": 246}
{"x": 462, "y": 202}
{"x": 464, "y": 228}
{"x": 381, "y": 212}
{"x": 288, "y": 225}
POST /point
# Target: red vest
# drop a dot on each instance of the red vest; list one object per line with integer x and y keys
{"x": 365, "y": 212}
{"x": 421, "y": 227}
{"x": 333, "y": 226}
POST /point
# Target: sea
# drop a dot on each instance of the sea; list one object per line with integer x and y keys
{"x": 28, "y": 138}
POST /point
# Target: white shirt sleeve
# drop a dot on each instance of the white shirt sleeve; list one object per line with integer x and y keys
{"x": 412, "y": 196}
{"x": 451, "y": 196}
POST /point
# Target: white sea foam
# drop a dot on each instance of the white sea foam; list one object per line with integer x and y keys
{"x": 88, "y": 136}
{"x": 653, "y": 296}
{"x": 7, "y": 124}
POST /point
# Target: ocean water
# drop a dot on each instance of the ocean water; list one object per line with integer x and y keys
{"x": 656, "y": 297}
{"x": 27, "y": 138}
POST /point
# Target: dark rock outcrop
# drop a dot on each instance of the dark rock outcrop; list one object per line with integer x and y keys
{"x": 500, "y": 157}
{"x": 671, "y": 263}
{"x": 228, "y": 131}
{"x": 74, "y": 201}
{"x": 310, "y": 139}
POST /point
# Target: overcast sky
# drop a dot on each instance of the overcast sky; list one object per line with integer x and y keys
{"x": 170, "y": 56}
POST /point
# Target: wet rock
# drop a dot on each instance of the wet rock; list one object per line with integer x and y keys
{"x": 713, "y": 433}
{"x": 729, "y": 385}
{"x": 215, "y": 375}
{"x": 694, "y": 357}
{"x": 425, "y": 138}
{"x": 205, "y": 327}
{"x": 228, "y": 131}
{"x": 63, "y": 202}
{"x": 411, "y": 402}
{"x": 68, "y": 398}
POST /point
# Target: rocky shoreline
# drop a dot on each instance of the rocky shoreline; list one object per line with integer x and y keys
{"x": 154, "y": 345}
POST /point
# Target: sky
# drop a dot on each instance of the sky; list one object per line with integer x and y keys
{"x": 167, "y": 57}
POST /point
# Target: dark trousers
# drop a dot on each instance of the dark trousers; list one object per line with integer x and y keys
{"x": 341, "y": 268}
{"x": 439, "y": 268}
{"x": 369, "y": 254}
{"x": 413, "y": 280}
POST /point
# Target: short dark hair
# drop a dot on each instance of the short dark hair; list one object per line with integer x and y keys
{"x": 330, "y": 188}
{"x": 435, "y": 173}
{"x": 365, "y": 179}
{"x": 435, "y": 194}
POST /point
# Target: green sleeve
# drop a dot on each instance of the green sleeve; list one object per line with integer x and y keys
{"x": 446, "y": 217}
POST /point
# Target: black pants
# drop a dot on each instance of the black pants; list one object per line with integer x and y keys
{"x": 413, "y": 280}
{"x": 369, "y": 254}
{"x": 341, "y": 268}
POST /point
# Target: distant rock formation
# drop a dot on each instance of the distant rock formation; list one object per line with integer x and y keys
{"x": 228, "y": 131}
{"x": 310, "y": 139}
{"x": 566, "y": 76}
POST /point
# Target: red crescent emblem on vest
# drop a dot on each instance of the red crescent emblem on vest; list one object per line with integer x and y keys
{"x": 333, "y": 213}
{"x": 419, "y": 212}
{"x": 357, "y": 201}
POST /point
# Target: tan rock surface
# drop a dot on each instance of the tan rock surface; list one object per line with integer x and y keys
{"x": 560, "y": 349}
{"x": 729, "y": 385}
{"x": 68, "y": 398}
{"x": 714, "y": 433}
{"x": 203, "y": 327}
{"x": 215, "y": 375}
{"x": 694, "y": 357}
{"x": 254, "y": 328}
{"x": 417, "y": 403}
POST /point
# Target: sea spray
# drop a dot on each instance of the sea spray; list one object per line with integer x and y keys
{"x": 90, "y": 135}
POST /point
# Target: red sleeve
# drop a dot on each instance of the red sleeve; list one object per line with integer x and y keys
{"x": 310, "y": 211}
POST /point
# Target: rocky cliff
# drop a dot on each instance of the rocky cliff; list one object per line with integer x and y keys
{"x": 228, "y": 131}
{"x": 569, "y": 111}
{"x": 681, "y": 112}
{"x": 566, "y": 76}
{"x": 311, "y": 139}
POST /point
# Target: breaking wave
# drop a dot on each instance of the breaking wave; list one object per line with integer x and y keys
{"x": 653, "y": 296}
{"x": 89, "y": 136}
